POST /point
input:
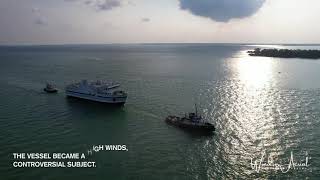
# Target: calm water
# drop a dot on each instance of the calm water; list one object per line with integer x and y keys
{"x": 257, "y": 104}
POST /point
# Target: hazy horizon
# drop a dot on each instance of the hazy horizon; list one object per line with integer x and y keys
{"x": 162, "y": 43}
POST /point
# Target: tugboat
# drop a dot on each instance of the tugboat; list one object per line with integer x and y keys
{"x": 50, "y": 88}
{"x": 193, "y": 122}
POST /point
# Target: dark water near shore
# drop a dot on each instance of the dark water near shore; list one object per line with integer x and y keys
{"x": 257, "y": 104}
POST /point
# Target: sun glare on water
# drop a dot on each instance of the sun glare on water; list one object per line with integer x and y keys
{"x": 255, "y": 72}
{"x": 255, "y": 102}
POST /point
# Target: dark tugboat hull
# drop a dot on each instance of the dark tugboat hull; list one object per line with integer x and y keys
{"x": 198, "y": 128}
{"x": 50, "y": 90}
{"x": 175, "y": 121}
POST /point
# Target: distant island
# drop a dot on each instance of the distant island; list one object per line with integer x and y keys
{"x": 286, "y": 53}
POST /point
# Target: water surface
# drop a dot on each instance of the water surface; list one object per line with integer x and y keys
{"x": 257, "y": 104}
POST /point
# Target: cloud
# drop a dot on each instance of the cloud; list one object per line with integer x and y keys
{"x": 145, "y": 19}
{"x": 41, "y": 21}
{"x": 35, "y": 10}
{"x": 39, "y": 18}
{"x": 107, "y": 4}
{"x": 222, "y": 10}
{"x": 103, "y": 5}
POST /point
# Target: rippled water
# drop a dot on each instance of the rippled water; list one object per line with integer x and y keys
{"x": 257, "y": 104}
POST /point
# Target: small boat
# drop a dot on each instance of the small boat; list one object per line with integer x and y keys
{"x": 50, "y": 88}
{"x": 193, "y": 122}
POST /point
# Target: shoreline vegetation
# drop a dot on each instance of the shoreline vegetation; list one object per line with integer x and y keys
{"x": 286, "y": 53}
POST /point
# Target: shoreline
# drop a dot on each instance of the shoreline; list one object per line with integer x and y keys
{"x": 286, "y": 53}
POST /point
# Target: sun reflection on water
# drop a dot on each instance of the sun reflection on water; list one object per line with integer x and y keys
{"x": 253, "y": 104}
{"x": 253, "y": 114}
{"x": 254, "y": 72}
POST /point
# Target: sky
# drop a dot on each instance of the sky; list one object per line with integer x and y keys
{"x": 159, "y": 21}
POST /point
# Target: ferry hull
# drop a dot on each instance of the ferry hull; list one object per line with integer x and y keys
{"x": 107, "y": 100}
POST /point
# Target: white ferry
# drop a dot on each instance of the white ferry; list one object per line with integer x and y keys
{"x": 99, "y": 91}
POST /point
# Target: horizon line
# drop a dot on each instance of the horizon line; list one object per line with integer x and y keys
{"x": 157, "y": 43}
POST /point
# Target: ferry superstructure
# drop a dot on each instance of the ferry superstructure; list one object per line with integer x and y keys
{"x": 99, "y": 91}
